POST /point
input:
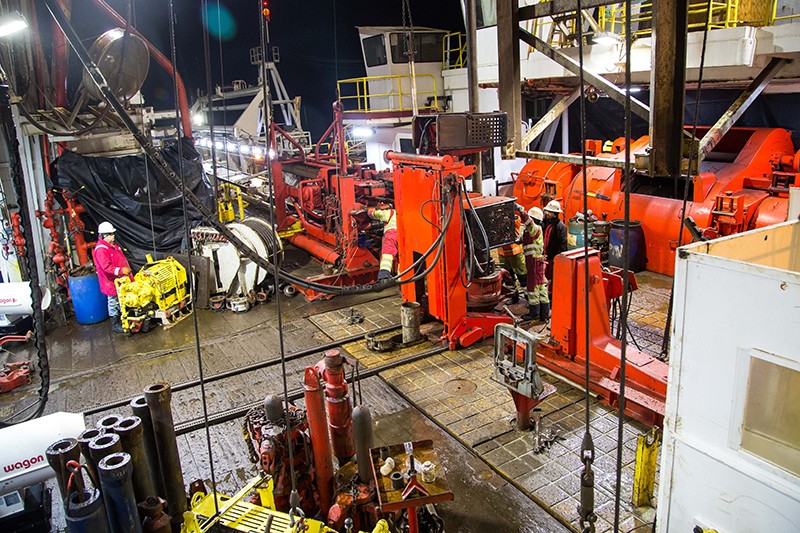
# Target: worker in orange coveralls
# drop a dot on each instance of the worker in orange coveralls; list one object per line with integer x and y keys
{"x": 389, "y": 240}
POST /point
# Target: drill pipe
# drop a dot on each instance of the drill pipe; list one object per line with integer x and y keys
{"x": 158, "y": 397}
{"x": 131, "y": 432}
{"x": 85, "y": 512}
{"x": 337, "y": 401}
{"x": 115, "y": 480}
{"x": 108, "y": 422}
{"x": 57, "y": 455}
{"x": 140, "y": 409}
{"x": 362, "y": 433}
{"x": 320, "y": 442}
{"x": 83, "y": 441}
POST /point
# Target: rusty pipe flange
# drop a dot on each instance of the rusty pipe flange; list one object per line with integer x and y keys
{"x": 333, "y": 358}
{"x": 217, "y": 303}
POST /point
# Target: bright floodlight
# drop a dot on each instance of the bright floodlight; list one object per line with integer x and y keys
{"x": 198, "y": 119}
{"x": 244, "y": 149}
{"x": 362, "y": 132}
{"x": 12, "y": 23}
{"x": 606, "y": 37}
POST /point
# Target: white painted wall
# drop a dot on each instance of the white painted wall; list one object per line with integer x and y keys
{"x": 726, "y": 310}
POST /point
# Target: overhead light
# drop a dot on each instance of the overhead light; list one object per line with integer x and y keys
{"x": 271, "y": 153}
{"x": 362, "y": 132}
{"x": 198, "y": 119}
{"x": 606, "y": 37}
{"x": 244, "y": 149}
{"x": 219, "y": 145}
{"x": 12, "y": 23}
{"x": 231, "y": 147}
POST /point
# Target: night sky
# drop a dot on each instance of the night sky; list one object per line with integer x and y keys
{"x": 314, "y": 50}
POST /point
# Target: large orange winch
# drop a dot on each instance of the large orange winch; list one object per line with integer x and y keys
{"x": 742, "y": 184}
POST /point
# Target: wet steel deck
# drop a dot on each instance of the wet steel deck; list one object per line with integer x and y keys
{"x": 497, "y": 479}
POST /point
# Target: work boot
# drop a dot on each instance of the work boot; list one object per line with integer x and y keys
{"x": 532, "y": 314}
{"x": 544, "y": 311}
{"x": 384, "y": 274}
{"x": 523, "y": 281}
{"x": 116, "y": 324}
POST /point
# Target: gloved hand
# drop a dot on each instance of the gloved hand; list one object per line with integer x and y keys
{"x": 383, "y": 274}
{"x": 518, "y": 208}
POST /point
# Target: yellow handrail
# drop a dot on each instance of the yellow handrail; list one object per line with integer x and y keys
{"x": 381, "y": 94}
{"x": 774, "y": 14}
{"x": 454, "y": 51}
{"x": 721, "y": 14}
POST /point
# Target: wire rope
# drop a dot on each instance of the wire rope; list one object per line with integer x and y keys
{"x": 688, "y": 181}
{"x": 624, "y": 307}
{"x": 187, "y": 237}
{"x": 267, "y": 106}
{"x": 587, "y": 515}
{"x": 209, "y": 89}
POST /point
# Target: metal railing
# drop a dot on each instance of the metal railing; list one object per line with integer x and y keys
{"x": 775, "y": 17}
{"x": 722, "y": 14}
{"x": 454, "y": 51}
{"x": 386, "y": 94}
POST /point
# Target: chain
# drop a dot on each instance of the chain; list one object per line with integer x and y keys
{"x": 27, "y": 259}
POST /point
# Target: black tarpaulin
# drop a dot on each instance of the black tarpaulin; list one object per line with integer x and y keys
{"x": 115, "y": 189}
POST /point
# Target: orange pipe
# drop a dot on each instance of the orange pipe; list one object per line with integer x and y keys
{"x": 320, "y": 250}
{"x": 320, "y": 441}
{"x": 162, "y": 60}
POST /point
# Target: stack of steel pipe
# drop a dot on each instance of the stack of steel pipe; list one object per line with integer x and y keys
{"x": 58, "y": 454}
{"x": 83, "y": 442}
{"x": 158, "y": 397}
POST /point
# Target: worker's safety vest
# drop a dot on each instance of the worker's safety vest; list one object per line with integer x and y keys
{"x": 513, "y": 248}
{"x": 533, "y": 239}
{"x": 387, "y": 216}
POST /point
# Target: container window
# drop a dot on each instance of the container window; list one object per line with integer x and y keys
{"x": 375, "y": 50}
{"x": 427, "y": 47}
{"x": 771, "y": 426}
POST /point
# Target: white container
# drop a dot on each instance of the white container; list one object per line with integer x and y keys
{"x": 731, "y": 453}
{"x": 22, "y": 448}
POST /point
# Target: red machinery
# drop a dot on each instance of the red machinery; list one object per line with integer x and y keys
{"x": 743, "y": 184}
{"x": 318, "y": 193}
{"x": 430, "y": 189}
{"x": 72, "y": 213}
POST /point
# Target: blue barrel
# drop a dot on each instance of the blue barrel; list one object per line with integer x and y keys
{"x": 638, "y": 253}
{"x": 91, "y": 305}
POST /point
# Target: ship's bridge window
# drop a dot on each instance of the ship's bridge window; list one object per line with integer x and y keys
{"x": 375, "y": 50}
{"x": 427, "y": 47}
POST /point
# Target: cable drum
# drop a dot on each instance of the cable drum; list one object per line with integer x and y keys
{"x": 123, "y": 60}
{"x": 268, "y": 235}
{"x": 260, "y": 237}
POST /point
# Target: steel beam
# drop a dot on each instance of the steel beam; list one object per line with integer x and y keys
{"x": 739, "y": 106}
{"x": 549, "y": 118}
{"x": 667, "y": 82}
{"x": 472, "y": 78}
{"x": 614, "y": 92}
{"x": 572, "y": 159}
{"x": 510, "y": 90}
{"x": 557, "y": 7}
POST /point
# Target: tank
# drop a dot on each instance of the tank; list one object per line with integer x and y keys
{"x": 90, "y": 305}
{"x": 638, "y": 252}
{"x": 575, "y": 232}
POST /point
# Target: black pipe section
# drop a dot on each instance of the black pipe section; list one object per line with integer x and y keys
{"x": 108, "y": 422}
{"x": 99, "y": 448}
{"x": 131, "y": 433}
{"x": 158, "y": 397}
{"x": 362, "y": 434}
{"x": 238, "y": 412}
{"x": 140, "y": 410}
{"x": 83, "y": 442}
{"x": 58, "y": 454}
{"x": 115, "y": 479}
{"x": 249, "y": 368}
{"x": 85, "y": 512}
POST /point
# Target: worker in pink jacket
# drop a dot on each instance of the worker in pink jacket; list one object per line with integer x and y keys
{"x": 111, "y": 264}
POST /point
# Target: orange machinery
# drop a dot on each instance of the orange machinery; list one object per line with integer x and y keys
{"x": 743, "y": 184}
{"x": 314, "y": 198}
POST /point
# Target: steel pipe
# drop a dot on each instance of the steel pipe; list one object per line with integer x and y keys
{"x": 362, "y": 433}
{"x": 58, "y": 454}
{"x": 108, "y": 422}
{"x": 320, "y": 441}
{"x": 158, "y": 397}
{"x": 140, "y": 410}
{"x": 84, "y": 439}
{"x": 131, "y": 433}
{"x": 85, "y": 512}
{"x": 410, "y": 315}
{"x": 115, "y": 481}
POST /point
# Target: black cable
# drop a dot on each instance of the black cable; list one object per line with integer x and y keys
{"x": 586, "y": 509}
{"x": 27, "y": 260}
{"x": 294, "y": 497}
{"x": 624, "y": 306}
{"x": 668, "y": 324}
{"x": 188, "y": 237}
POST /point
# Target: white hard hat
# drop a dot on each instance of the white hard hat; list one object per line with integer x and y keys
{"x": 536, "y": 213}
{"x": 553, "y": 206}
{"x": 105, "y": 228}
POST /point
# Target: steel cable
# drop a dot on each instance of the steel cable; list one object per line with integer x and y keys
{"x": 624, "y": 307}
{"x": 187, "y": 237}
